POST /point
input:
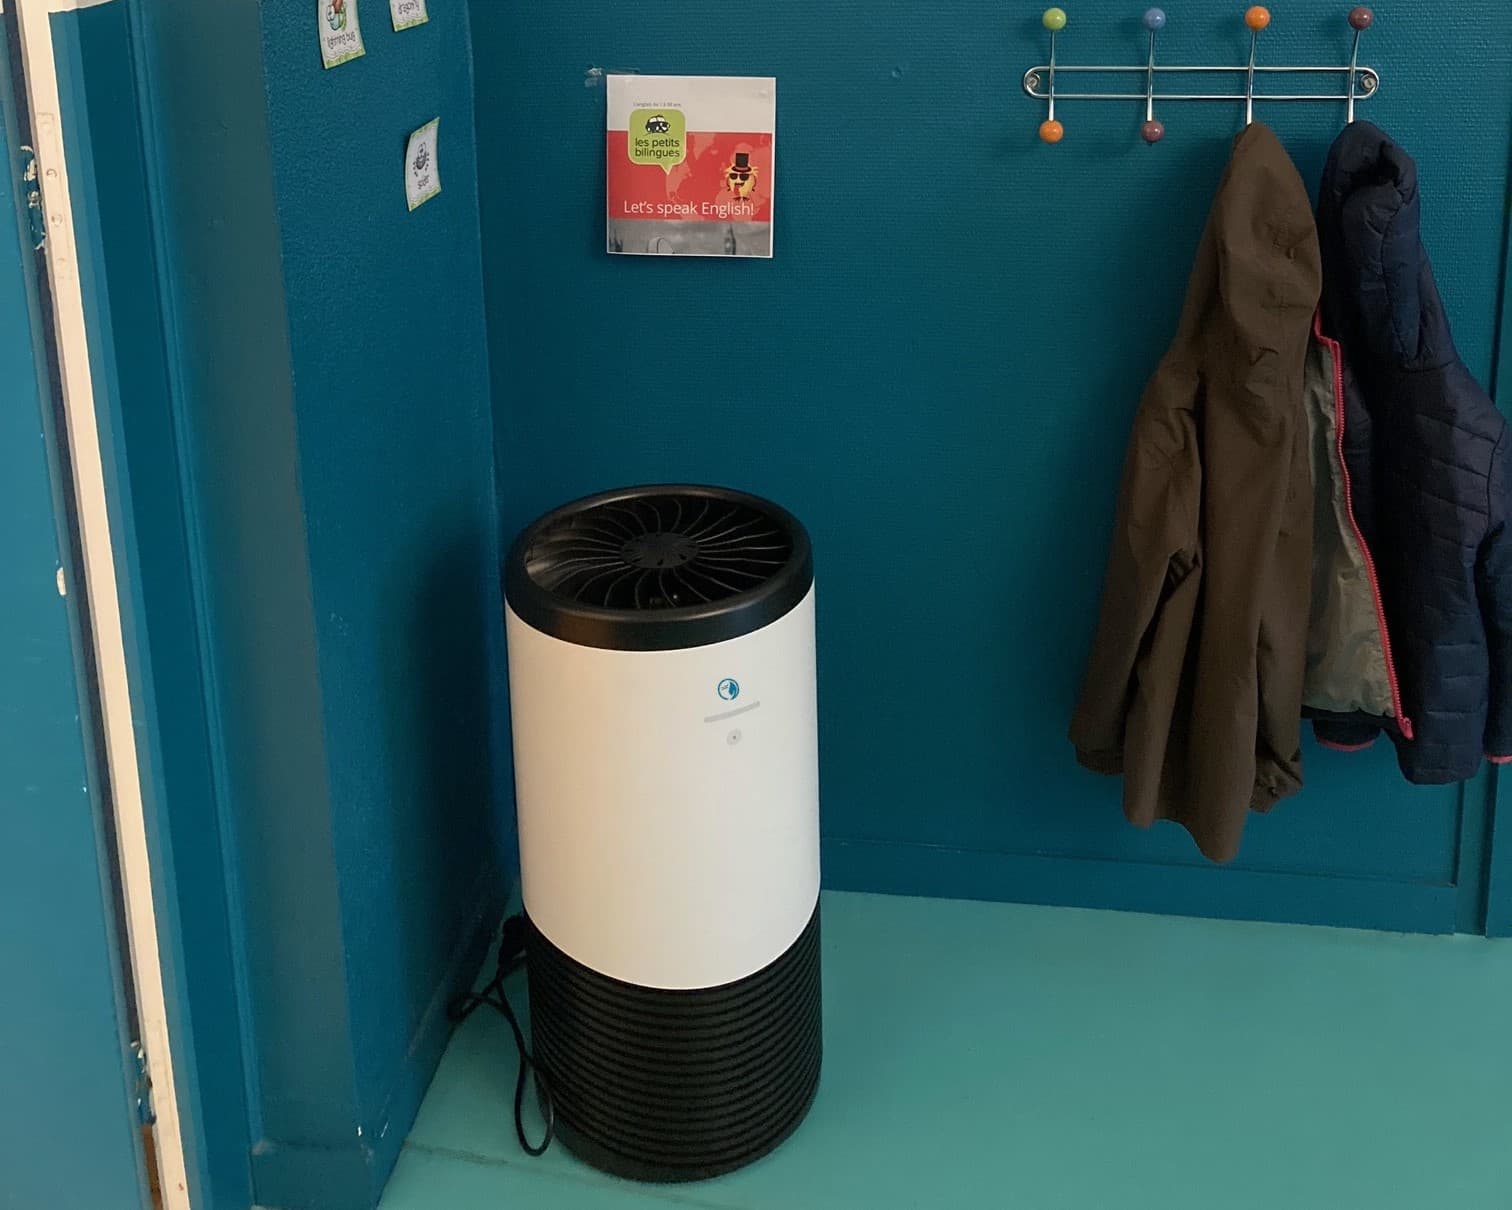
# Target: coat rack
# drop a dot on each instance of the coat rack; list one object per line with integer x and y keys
{"x": 1040, "y": 81}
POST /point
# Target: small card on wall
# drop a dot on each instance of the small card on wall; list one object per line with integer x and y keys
{"x": 691, "y": 165}
{"x": 407, "y": 14}
{"x": 422, "y": 174}
{"x": 340, "y": 34}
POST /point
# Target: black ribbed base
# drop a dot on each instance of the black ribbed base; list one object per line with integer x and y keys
{"x": 662, "y": 1085}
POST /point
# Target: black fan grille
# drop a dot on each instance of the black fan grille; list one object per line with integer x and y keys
{"x": 656, "y": 552}
{"x": 664, "y": 1085}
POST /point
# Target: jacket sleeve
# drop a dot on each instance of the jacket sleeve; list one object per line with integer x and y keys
{"x": 1154, "y": 548}
{"x": 1494, "y": 584}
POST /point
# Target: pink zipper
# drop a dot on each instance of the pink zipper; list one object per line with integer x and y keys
{"x": 1333, "y": 347}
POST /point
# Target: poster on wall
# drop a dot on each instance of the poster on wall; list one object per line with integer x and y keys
{"x": 340, "y": 33}
{"x": 407, "y": 14}
{"x": 422, "y": 168}
{"x": 691, "y": 165}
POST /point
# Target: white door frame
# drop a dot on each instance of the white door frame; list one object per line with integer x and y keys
{"x": 102, "y": 592}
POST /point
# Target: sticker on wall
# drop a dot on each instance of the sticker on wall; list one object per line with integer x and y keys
{"x": 422, "y": 174}
{"x": 340, "y": 35}
{"x": 408, "y": 13}
{"x": 691, "y": 162}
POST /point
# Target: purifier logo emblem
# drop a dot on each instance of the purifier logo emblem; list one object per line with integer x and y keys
{"x": 729, "y": 689}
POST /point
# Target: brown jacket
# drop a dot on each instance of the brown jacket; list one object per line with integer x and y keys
{"x": 1194, "y": 687}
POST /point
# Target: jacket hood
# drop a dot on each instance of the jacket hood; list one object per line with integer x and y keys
{"x": 1257, "y": 268}
{"x": 1379, "y": 295}
{"x": 1264, "y": 224}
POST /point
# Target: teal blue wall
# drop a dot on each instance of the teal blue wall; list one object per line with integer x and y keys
{"x": 333, "y": 447}
{"x": 394, "y": 431}
{"x": 937, "y": 372}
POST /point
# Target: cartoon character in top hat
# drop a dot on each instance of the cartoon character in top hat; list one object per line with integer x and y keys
{"x": 740, "y": 176}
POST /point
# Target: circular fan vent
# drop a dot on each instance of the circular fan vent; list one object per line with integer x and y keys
{"x": 658, "y": 552}
{"x": 672, "y": 555}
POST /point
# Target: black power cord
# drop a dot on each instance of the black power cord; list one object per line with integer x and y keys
{"x": 511, "y": 957}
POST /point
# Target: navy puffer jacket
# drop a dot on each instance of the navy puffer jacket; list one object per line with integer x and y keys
{"x": 1427, "y": 456}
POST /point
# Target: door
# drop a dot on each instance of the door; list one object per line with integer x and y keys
{"x": 78, "y": 936}
{"x": 69, "y": 1131}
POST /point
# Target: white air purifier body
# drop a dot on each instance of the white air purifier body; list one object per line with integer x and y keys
{"x": 662, "y": 682}
{"x": 669, "y": 832}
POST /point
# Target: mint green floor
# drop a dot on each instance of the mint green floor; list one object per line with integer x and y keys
{"x": 993, "y": 1056}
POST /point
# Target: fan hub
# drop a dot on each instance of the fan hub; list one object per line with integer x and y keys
{"x": 659, "y": 551}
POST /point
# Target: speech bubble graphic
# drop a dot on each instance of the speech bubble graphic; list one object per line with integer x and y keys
{"x": 658, "y": 136}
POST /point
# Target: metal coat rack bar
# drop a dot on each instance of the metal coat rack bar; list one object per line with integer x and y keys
{"x": 1040, "y": 82}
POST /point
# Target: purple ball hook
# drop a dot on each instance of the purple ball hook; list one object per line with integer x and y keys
{"x": 1360, "y": 18}
{"x": 1154, "y": 19}
{"x": 1152, "y": 131}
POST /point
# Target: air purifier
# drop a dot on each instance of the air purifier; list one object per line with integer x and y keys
{"x": 661, "y": 672}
